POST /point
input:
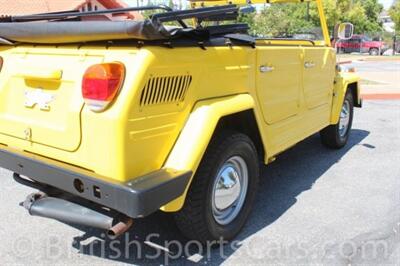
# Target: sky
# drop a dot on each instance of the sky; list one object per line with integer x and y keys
{"x": 386, "y": 3}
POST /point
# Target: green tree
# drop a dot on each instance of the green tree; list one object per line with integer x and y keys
{"x": 285, "y": 19}
{"x": 395, "y": 14}
{"x": 364, "y": 14}
{"x": 279, "y": 20}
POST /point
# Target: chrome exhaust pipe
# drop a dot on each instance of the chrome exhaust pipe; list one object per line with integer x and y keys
{"x": 39, "y": 204}
{"x": 120, "y": 228}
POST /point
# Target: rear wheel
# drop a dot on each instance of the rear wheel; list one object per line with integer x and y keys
{"x": 374, "y": 51}
{"x": 223, "y": 190}
{"x": 336, "y": 136}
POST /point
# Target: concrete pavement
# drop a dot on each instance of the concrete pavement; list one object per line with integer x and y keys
{"x": 380, "y": 75}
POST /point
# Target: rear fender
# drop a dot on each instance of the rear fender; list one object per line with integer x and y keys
{"x": 343, "y": 82}
{"x": 197, "y": 133}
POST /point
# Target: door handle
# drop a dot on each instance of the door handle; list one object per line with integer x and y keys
{"x": 309, "y": 64}
{"x": 266, "y": 69}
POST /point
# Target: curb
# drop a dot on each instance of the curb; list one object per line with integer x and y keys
{"x": 381, "y": 96}
{"x": 345, "y": 62}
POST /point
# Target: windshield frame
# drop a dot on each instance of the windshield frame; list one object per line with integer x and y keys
{"x": 323, "y": 24}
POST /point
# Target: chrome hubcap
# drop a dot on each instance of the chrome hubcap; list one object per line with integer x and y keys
{"x": 344, "y": 119}
{"x": 229, "y": 191}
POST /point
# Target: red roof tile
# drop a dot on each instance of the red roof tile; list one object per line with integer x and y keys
{"x": 26, "y": 7}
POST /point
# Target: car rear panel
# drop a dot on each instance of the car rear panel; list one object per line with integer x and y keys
{"x": 40, "y": 98}
{"x": 42, "y": 110}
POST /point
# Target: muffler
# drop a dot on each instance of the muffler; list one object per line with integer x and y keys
{"x": 39, "y": 204}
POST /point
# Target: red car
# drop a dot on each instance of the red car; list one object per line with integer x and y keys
{"x": 362, "y": 44}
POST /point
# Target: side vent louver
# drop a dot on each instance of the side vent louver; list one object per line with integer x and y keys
{"x": 162, "y": 90}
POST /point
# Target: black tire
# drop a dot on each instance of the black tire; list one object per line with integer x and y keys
{"x": 330, "y": 136}
{"x": 196, "y": 220}
{"x": 374, "y": 51}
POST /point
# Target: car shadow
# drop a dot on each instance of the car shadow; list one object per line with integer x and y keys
{"x": 154, "y": 239}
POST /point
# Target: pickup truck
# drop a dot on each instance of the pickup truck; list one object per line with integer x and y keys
{"x": 362, "y": 44}
{"x": 114, "y": 120}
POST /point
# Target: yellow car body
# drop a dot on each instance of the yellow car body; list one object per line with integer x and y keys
{"x": 291, "y": 87}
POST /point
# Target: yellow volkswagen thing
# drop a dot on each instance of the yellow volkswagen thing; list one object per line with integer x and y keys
{"x": 114, "y": 120}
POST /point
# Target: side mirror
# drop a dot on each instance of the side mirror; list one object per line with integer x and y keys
{"x": 344, "y": 31}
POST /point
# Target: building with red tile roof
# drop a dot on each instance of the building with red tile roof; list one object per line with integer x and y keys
{"x": 27, "y": 7}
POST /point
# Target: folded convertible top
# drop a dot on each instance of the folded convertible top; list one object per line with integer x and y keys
{"x": 83, "y": 31}
{"x": 67, "y": 27}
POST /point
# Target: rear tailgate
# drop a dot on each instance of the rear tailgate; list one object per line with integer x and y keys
{"x": 40, "y": 95}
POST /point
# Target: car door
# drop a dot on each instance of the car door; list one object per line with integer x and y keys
{"x": 318, "y": 76}
{"x": 344, "y": 45}
{"x": 366, "y": 44}
{"x": 355, "y": 45}
{"x": 279, "y": 81}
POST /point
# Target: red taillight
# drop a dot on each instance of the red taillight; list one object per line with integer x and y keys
{"x": 101, "y": 84}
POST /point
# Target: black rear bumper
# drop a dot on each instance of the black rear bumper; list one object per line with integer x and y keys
{"x": 137, "y": 198}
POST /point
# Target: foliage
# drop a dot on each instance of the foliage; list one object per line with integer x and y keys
{"x": 281, "y": 20}
{"x": 367, "y": 18}
{"x": 395, "y": 14}
{"x": 286, "y": 19}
